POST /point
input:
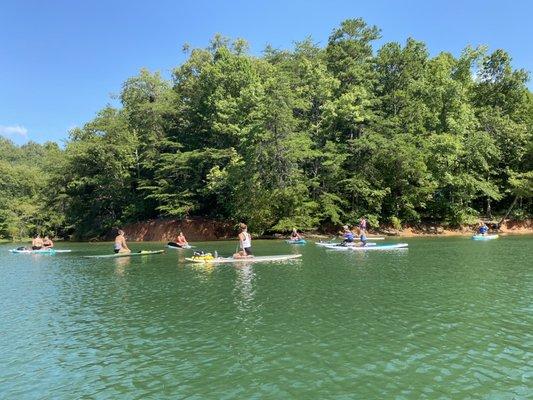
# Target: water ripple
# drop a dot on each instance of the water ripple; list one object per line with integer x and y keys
{"x": 445, "y": 320}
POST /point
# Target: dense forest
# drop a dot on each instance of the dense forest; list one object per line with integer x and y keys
{"x": 308, "y": 137}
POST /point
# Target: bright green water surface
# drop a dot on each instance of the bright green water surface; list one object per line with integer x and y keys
{"x": 448, "y": 318}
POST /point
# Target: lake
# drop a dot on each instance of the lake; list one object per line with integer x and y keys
{"x": 448, "y": 318}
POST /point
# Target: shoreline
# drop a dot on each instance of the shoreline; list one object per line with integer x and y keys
{"x": 199, "y": 229}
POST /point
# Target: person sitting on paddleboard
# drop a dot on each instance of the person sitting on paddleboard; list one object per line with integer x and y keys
{"x": 348, "y": 235}
{"x": 120, "y": 245}
{"x": 37, "y": 243}
{"x": 295, "y": 235}
{"x": 181, "y": 240}
{"x": 47, "y": 243}
{"x": 483, "y": 229}
{"x": 245, "y": 240}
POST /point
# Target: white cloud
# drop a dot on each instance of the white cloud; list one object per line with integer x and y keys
{"x": 13, "y": 131}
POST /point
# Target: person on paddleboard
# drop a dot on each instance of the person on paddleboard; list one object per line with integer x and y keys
{"x": 47, "y": 243}
{"x": 37, "y": 243}
{"x": 295, "y": 235}
{"x": 348, "y": 235}
{"x": 362, "y": 224}
{"x": 245, "y": 240}
{"x": 181, "y": 240}
{"x": 362, "y": 237}
{"x": 120, "y": 245}
{"x": 483, "y": 228}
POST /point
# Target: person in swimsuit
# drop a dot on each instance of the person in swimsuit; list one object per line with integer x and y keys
{"x": 483, "y": 228}
{"x": 245, "y": 240}
{"x": 37, "y": 243}
{"x": 295, "y": 235}
{"x": 47, "y": 243}
{"x": 181, "y": 240}
{"x": 120, "y": 245}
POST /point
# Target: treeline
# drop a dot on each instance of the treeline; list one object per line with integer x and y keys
{"x": 304, "y": 138}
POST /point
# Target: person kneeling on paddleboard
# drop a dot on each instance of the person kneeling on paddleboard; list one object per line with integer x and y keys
{"x": 120, "y": 245}
{"x": 362, "y": 237}
{"x": 245, "y": 240}
{"x": 348, "y": 235}
{"x": 483, "y": 228}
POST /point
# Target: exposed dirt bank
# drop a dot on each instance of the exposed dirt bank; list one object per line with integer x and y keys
{"x": 507, "y": 227}
{"x": 197, "y": 229}
{"x": 168, "y": 229}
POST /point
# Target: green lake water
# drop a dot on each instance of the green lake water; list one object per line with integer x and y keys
{"x": 449, "y": 318}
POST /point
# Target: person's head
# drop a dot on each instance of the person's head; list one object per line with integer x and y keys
{"x": 38, "y": 236}
{"x": 345, "y": 227}
{"x": 181, "y": 233}
{"x": 294, "y": 230}
{"x": 46, "y": 238}
{"x": 120, "y": 232}
{"x": 242, "y": 227}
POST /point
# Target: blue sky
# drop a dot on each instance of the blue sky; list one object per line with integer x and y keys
{"x": 61, "y": 60}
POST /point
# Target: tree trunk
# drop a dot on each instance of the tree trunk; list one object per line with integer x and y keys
{"x": 508, "y": 211}
{"x": 489, "y": 211}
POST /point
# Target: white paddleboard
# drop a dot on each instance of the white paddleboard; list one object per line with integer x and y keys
{"x": 141, "y": 253}
{"x": 356, "y": 244}
{"x": 484, "y": 237}
{"x": 227, "y": 260}
{"x": 367, "y": 247}
{"x": 42, "y": 251}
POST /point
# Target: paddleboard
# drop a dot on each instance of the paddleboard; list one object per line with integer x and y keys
{"x": 42, "y": 251}
{"x": 368, "y": 239}
{"x": 299, "y": 241}
{"x": 335, "y": 246}
{"x": 484, "y": 237}
{"x": 227, "y": 260}
{"x": 175, "y": 246}
{"x": 140, "y": 253}
{"x": 339, "y": 244}
{"x": 367, "y": 247}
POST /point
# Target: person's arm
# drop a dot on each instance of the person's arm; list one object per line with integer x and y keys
{"x": 124, "y": 245}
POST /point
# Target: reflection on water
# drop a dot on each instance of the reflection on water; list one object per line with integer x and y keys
{"x": 120, "y": 265}
{"x": 244, "y": 285}
{"x": 205, "y": 269}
